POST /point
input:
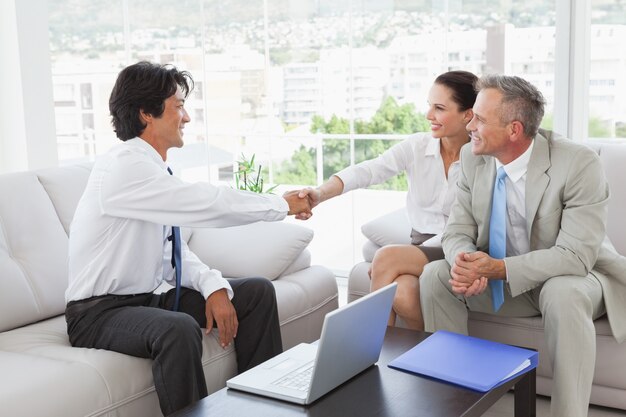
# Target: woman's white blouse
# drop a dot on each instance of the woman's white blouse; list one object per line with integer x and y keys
{"x": 430, "y": 194}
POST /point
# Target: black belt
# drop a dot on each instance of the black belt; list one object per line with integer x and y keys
{"x": 79, "y": 306}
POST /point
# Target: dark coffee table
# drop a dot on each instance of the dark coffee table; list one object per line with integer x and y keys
{"x": 378, "y": 391}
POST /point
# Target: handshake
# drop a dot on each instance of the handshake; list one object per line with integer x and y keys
{"x": 301, "y": 202}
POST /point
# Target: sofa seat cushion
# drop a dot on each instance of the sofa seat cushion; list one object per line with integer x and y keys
{"x": 529, "y": 332}
{"x": 50, "y": 387}
{"x": 105, "y": 380}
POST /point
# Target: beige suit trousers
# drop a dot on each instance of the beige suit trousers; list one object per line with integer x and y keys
{"x": 568, "y": 305}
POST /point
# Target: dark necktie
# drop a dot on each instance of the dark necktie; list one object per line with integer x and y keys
{"x": 497, "y": 235}
{"x": 177, "y": 262}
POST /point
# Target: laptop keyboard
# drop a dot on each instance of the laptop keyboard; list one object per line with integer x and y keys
{"x": 298, "y": 379}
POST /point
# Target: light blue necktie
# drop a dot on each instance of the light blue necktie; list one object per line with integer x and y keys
{"x": 497, "y": 235}
{"x": 177, "y": 262}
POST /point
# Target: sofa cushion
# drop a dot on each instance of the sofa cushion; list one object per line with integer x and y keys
{"x": 302, "y": 261}
{"x": 39, "y": 386}
{"x": 65, "y": 186}
{"x": 110, "y": 381}
{"x": 393, "y": 227}
{"x": 369, "y": 250}
{"x": 613, "y": 157}
{"x": 269, "y": 248}
{"x": 117, "y": 377}
{"x": 33, "y": 253}
{"x": 528, "y": 332}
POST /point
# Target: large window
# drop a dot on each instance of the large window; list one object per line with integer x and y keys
{"x": 607, "y": 72}
{"x": 312, "y": 86}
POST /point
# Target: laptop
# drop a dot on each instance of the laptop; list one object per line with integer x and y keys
{"x": 351, "y": 341}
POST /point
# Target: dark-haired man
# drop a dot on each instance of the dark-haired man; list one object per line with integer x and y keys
{"x": 120, "y": 248}
{"x": 527, "y": 236}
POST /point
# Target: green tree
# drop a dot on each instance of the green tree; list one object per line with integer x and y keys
{"x": 547, "y": 122}
{"x": 598, "y": 128}
{"x": 390, "y": 118}
{"x": 393, "y": 118}
{"x": 300, "y": 169}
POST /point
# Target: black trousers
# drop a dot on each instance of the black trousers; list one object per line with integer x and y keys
{"x": 142, "y": 325}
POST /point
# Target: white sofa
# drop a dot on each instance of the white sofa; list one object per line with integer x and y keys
{"x": 42, "y": 375}
{"x": 609, "y": 388}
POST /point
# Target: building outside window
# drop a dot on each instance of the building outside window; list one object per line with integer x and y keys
{"x": 298, "y": 83}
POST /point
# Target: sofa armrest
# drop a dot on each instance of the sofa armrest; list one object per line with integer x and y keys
{"x": 265, "y": 249}
{"x": 391, "y": 228}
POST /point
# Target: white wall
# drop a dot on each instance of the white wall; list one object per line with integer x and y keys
{"x": 27, "y": 132}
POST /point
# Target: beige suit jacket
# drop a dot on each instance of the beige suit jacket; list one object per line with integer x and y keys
{"x": 566, "y": 211}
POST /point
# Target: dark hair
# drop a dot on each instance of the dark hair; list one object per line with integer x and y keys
{"x": 521, "y": 101}
{"x": 143, "y": 86}
{"x": 462, "y": 84}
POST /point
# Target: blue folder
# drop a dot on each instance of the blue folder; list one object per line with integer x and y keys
{"x": 468, "y": 361}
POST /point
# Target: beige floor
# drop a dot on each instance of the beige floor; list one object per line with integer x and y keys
{"x": 504, "y": 407}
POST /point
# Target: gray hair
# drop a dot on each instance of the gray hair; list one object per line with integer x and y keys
{"x": 521, "y": 100}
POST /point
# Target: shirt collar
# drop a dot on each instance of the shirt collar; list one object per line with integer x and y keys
{"x": 518, "y": 167}
{"x": 148, "y": 150}
{"x": 432, "y": 147}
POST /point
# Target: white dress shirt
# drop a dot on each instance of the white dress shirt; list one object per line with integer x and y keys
{"x": 118, "y": 237}
{"x": 430, "y": 193}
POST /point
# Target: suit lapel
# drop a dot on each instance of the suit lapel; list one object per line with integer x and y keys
{"x": 536, "y": 178}
{"x": 483, "y": 192}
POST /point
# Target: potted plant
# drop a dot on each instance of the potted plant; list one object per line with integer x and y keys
{"x": 248, "y": 177}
